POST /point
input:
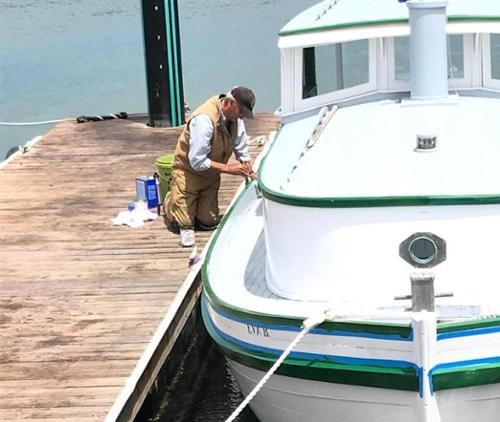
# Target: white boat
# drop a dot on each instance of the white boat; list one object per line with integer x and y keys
{"x": 377, "y": 211}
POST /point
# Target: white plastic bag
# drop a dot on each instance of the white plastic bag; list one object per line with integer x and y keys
{"x": 134, "y": 217}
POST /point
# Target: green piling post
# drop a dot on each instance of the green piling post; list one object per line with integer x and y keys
{"x": 162, "y": 52}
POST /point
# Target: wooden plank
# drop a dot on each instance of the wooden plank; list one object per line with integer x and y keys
{"x": 80, "y": 299}
{"x": 69, "y": 413}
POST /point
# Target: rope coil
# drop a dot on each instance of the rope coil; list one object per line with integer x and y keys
{"x": 97, "y": 118}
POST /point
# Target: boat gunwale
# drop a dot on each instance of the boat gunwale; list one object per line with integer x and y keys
{"x": 404, "y": 330}
{"x": 377, "y": 201}
{"x": 390, "y": 377}
{"x": 367, "y": 201}
{"x": 403, "y": 378}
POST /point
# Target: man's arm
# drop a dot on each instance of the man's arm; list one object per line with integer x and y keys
{"x": 236, "y": 169}
{"x": 240, "y": 149}
{"x": 240, "y": 146}
{"x": 200, "y": 142}
{"x": 200, "y": 146}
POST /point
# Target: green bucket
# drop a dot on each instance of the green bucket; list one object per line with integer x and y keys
{"x": 164, "y": 165}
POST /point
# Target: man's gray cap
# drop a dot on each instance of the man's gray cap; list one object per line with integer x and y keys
{"x": 246, "y": 100}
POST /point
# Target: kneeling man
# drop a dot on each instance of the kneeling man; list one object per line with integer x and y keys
{"x": 214, "y": 131}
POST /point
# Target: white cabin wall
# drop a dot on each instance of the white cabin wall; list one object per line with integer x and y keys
{"x": 352, "y": 254}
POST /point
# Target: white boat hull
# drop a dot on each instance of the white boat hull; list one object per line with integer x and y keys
{"x": 286, "y": 399}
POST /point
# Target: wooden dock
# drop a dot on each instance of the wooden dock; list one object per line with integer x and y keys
{"x": 88, "y": 310}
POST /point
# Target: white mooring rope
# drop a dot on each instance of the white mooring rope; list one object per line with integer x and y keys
{"x": 46, "y": 122}
{"x": 308, "y": 325}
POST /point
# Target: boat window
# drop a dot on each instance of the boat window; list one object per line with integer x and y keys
{"x": 402, "y": 58}
{"x": 456, "y": 61}
{"x": 334, "y": 67}
{"x": 495, "y": 56}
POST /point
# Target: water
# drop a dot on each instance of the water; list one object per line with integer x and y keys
{"x": 212, "y": 397}
{"x": 65, "y": 58}
{"x": 195, "y": 385}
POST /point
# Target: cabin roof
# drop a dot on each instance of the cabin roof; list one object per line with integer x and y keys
{"x": 366, "y": 156}
{"x": 337, "y": 14}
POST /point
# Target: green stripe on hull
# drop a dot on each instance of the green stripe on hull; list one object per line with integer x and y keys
{"x": 367, "y": 201}
{"x": 370, "y": 376}
{"x": 361, "y": 375}
{"x": 405, "y": 379}
{"x": 366, "y": 376}
{"x": 443, "y": 328}
{"x": 377, "y": 202}
{"x": 471, "y": 376}
{"x": 388, "y": 329}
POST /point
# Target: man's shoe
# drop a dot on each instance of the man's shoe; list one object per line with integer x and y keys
{"x": 187, "y": 237}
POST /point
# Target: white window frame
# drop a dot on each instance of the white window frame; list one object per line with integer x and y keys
{"x": 392, "y": 83}
{"x": 455, "y": 83}
{"x": 489, "y": 82}
{"x": 287, "y": 80}
{"x": 331, "y": 97}
{"x": 466, "y": 81}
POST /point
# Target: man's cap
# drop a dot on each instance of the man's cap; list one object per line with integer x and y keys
{"x": 246, "y": 100}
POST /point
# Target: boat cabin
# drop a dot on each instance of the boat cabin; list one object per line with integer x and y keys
{"x": 328, "y": 58}
{"x": 381, "y": 142}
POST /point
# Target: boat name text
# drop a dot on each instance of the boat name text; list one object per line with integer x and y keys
{"x": 257, "y": 331}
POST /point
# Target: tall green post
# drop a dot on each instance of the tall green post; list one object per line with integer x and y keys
{"x": 162, "y": 47}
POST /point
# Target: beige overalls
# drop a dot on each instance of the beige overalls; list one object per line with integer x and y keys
{"x": 193, "y": 194}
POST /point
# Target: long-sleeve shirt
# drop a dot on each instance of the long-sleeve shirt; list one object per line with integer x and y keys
{"x": 201, "y": 132}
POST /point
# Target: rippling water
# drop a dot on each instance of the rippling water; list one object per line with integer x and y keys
{"x": 196, "y": 384}
{"x": 213, "y": 397}
{"x": 61, "y": 58}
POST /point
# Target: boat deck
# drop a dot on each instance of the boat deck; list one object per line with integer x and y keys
{"x": 81, "y": 299}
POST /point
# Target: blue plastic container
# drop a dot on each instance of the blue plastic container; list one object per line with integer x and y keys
{"x": 147, "y": 191}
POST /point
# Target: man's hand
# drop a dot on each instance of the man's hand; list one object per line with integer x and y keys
{"x": 251, "y": 174}
{"x": 237, "y": 169}
{"x": 243, "y": 169}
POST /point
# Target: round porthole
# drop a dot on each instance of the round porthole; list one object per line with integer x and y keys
{"x": 422, "y": 250}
